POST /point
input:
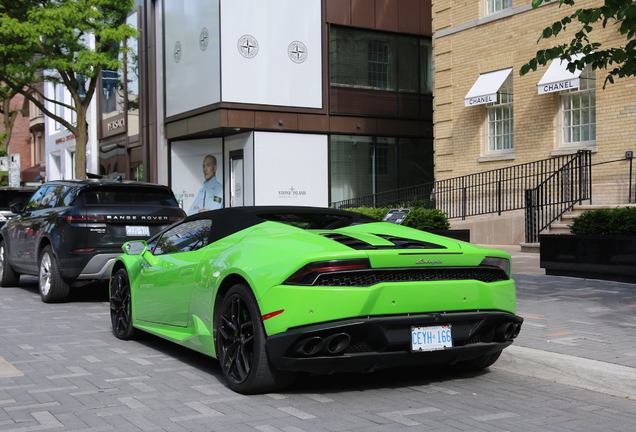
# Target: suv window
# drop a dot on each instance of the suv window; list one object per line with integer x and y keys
{"x": 35, "y": 201}
{"x": 49, "y": 197}
{"x": 128, "y": 195}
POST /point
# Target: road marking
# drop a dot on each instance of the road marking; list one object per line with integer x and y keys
{"x": 531, "y": 317}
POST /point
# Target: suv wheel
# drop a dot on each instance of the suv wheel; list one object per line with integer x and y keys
{"x": 53, "y": 288}
{"x": 7, "y": 276}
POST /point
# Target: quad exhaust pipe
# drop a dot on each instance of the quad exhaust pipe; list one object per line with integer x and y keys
{"x": 507, "y": 331}
{"x": 331, "y": 345}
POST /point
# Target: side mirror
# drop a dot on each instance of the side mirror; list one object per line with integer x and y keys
{"x": 16, "y": 208}
{"x": 139, "y": 247}
{"x": 134, "y": 247}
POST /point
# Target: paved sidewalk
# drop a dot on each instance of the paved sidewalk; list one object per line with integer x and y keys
{"x": 587, "y": 318}
{"x": 61, "y": 369}
{"x": 577, "y": 331}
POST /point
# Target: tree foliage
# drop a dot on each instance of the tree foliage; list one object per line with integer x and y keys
{"x": 65, "y": 42}
{"x": 619, "y": 61}
{"x": 9, "y": 115}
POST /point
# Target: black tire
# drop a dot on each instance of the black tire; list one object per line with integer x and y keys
{"x": 240, "y": 344}
{"x": 121, "y": 306}
{"x": 53, "y": 288}
{"x": 8, "y": 277}
{"x": 478, "y": 363}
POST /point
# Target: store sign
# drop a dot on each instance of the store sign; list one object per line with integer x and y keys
{"x": 64, "y": 139}
{"x": 14, "y": 170}
{"x": 116, "y": 124}
{"x": 559, "y": 86}
{"x": 291, "y": 193}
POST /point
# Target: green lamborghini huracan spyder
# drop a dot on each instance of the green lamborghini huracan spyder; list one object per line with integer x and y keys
{"x": 273, "y": 291}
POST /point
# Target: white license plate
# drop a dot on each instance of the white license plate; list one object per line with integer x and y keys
{"x": 431, "y": 338}
{"x": 137, "y": 230}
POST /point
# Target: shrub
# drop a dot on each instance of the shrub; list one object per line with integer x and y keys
{"x": 375, "y": 213}
{"x": 418, "y": 218}
{"x": 616, "y": 221}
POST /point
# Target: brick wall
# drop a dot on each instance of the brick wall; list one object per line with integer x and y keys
{"x": 465, "y": 44}
{"x": 20, "y": 142}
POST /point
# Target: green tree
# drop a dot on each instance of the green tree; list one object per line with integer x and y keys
{"x": 619, "y": 61}
{"x": 9, "y": 115}
{"x": 65, "y": 42}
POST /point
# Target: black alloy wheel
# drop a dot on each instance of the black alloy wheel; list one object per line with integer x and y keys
{"x": 121, "y": 306}
{"x": 241, "y": 345}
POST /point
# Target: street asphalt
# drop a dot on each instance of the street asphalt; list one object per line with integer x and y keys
{"x": 573, "y": 368}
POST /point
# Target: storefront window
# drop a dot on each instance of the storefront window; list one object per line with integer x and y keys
{"x": 132, "y": 82}
{"x": 363, "y": 166}
{"x": 112, "y": 97}
{"x": 112, "y": 159}
{"x": 379, "y": 73}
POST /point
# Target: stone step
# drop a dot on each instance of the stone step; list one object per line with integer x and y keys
{"x": 561, "y": 226}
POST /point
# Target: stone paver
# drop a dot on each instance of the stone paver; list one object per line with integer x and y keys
{"x": 63, "y": 370}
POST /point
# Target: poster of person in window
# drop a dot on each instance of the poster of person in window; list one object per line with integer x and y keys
{"x": 197, "y": 179}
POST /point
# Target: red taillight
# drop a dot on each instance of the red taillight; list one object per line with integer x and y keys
{"x": 78, "y": 218}
{"x": 84, "y": 250}
{"x": 272, "y": 314}
{"x": 176, "y": 218}
{"x": 308, "y": 274}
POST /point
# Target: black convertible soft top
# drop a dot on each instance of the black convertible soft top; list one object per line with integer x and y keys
{"x": 230, "y": 220}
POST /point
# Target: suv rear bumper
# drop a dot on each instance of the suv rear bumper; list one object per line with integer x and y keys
{"x": 87, "y": 267}
{"x": 99, "y": 267}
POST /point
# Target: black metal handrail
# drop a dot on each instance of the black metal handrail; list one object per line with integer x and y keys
{"x": 493, "y": 191}
{"x": 549, "y": 200}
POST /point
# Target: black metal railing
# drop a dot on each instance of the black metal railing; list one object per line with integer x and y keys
{"x": 549, "y": 200}
{"x": 494, "y": 191}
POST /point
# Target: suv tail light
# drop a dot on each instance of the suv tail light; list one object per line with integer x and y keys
{"x": 78, "y": 218}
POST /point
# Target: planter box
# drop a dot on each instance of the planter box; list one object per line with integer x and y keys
{"x": 589, "y": 256}
{"x": 457, "y": 234}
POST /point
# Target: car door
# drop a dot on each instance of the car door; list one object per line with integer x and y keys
{"x": 41, "y": 219}
{"x": 24, "y": 229}
{"x": 164, "y": 293}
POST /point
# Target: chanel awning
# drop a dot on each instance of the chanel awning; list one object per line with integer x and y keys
{"x": 558, "y": 77}
{"x": 486, "y": 87}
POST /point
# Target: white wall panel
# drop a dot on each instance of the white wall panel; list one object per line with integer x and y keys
{"x": 290, "y": 169}
{"x": 278, "y": 73}
{"x": 192, "y": 53}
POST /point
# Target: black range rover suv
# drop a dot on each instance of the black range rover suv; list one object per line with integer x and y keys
{"x": 71, "y": 231}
